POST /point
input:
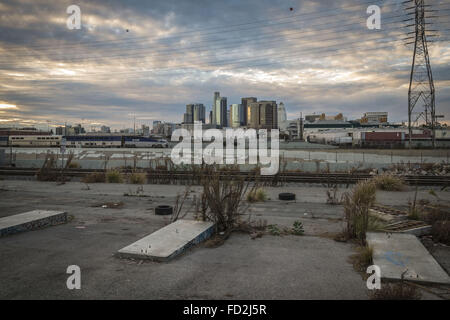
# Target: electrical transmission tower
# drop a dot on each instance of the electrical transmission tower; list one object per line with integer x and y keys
{"x": 421, "y": 94}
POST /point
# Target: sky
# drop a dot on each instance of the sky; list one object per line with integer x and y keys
{"x": 146, "y": 60}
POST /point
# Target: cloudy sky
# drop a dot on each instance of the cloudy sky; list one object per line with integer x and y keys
{"x": 148, "y": 59}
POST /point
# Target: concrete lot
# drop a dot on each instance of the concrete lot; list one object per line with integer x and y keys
{"x": 33, "y": 264}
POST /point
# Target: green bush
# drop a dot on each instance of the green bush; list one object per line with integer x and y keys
{"x": 114, "y": 176}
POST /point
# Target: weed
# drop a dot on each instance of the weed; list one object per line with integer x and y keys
{"x": 389, "y": 182}
{"x": 73, "y": 165}
{"x": 332, "y": 196}
{"x": 297, "y": 228}
{"x": 137, "y": 178}
{"x": 375, "y": 224}
{"x": 362, "y": 258}
{"x": 95, "y": 177}
{"x": 223, "y": 199}
{"x": 258, "y": 195}
{"x": 395, "y": 291}
{"x": 274, "y": 230}
{"x": 114, "y": 176}
{"x": 440, "y": 230}
{"x": 356, "y": 207}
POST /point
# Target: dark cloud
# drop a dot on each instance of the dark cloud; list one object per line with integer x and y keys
{"x": 319, "y": 57}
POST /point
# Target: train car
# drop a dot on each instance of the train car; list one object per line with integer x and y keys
{"x": 382, "y": 139}
{"x": 34, "y": 141}
{"x": 144, "y": 142}
{"x": 4, "y": 141}
{"x": 93, "y": 141}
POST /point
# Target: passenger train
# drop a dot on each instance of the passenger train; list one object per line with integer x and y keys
{"x": 84, "y": 141}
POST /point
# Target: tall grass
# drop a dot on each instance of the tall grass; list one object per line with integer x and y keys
{"x": 114, "y": 176}
{"x": 356, "y": 207}
{"x": 389, "y": 182}
{"x": 137, "y": 178}
{"x": 258, "y": 195}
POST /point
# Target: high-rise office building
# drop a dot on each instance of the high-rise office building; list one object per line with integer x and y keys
{"x": 262, "y": 115}
{"x": 199, "y": 112}
{"x": 236, "y": 115}
{"x": 194, "y": 112}
{"x": 189, "y": 115}
{"x": 245, "y": 102}
{"x": 215, "y": 99}
{"x": 281, "y": 114}
{"x": 221, "y": 112}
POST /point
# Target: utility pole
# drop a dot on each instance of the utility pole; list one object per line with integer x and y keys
{"x": 421, "y": 93}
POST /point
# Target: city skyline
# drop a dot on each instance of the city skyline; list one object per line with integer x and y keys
{"x": 147, "y": 61}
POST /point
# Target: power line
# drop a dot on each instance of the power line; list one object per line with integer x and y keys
{"x": 182, "y": 34}
{"x": 295, "y": 55}
{"x": 233, "y": 44}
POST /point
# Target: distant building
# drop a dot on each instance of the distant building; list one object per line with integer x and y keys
{"x": 164, "y": 129}
{"x": 236, "y": 115}
{"x": 194, "y": 112}
{"x": 374, "y": 117}
{"x": 189, "y": 114}
{"x": 145, "y": 130}
{"x": 105, "y": 129}
{"x": 215, "y": 99}
{"x": 7, "y": 131}
{"x": 312, "y": 117}
{"x": 221, "y": 112}
{"x": 199, "y": 112}
{"x": 68, "y": 130}
{"x": 245, "y": 102}
{"x": 262, "y": 115}
{"x": 282, "y": 117}
{"x": 294, "y": 128}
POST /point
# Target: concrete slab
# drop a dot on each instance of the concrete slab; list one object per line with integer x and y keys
{"x": 396, "y": 253}
{"x": 170, "y": 241}
{"x": 31, "y": 220}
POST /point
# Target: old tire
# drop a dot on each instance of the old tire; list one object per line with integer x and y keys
{"x": 163, "y": 210}
{"x": 286, "y": 196}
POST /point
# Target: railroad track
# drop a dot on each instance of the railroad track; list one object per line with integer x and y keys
{"x": 300, "y": 177}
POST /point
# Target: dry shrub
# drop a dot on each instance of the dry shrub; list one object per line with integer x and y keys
{"x": 258, "y": 195}
{"x": 137, "y": 178}
{"x": 356, "y": 207}
{"x": 223, "y": 199}
{"x": 362, "y": 258}
{"x": 73, "y": 165}
{"x": 389, "y": 182}
{"x": 375, "y": 224}
{"x": 435, "y": 214}
{"x": 114, "y": 176}
{"x": 395, "y": 291}
{"x": 179, "y": 203}
{"x": 95, "y": 177}
{"x": 332, "y": 196}
{"x": 440, "y": 230}
{"x": 47, "y": 171}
